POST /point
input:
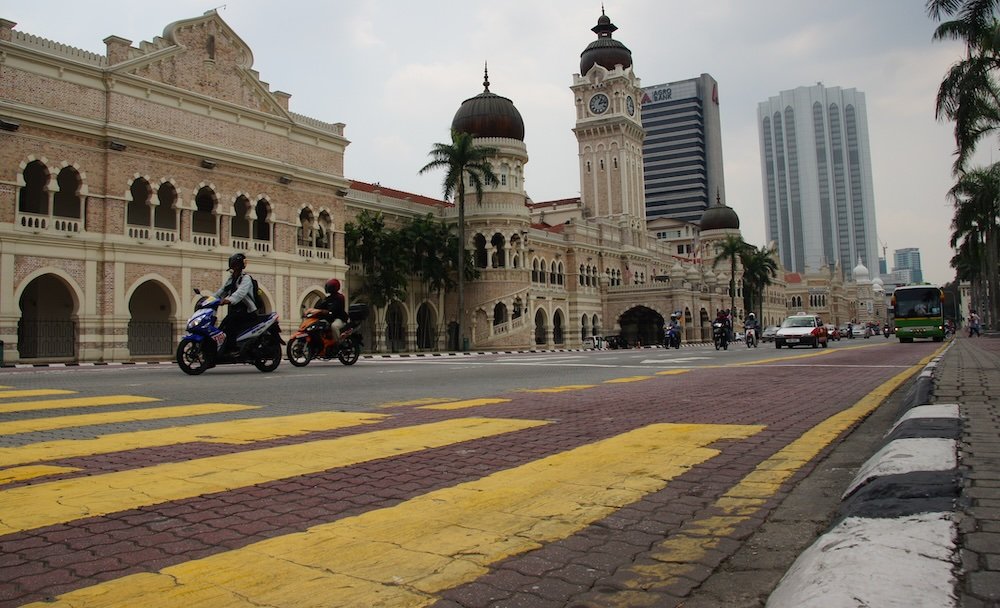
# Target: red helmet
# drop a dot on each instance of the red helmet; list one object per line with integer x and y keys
{"x": 333, "y": 286}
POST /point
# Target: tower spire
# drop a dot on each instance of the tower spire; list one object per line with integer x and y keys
{"x": 486, "y": 77}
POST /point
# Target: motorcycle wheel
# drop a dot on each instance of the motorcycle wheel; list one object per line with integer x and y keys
{"x": 298, "y": 351}
{"x": 718, "y": 345}
{"x": 271, "y": 360}
{"x": 191, "y": 358}
{"x": 349, "y": 354}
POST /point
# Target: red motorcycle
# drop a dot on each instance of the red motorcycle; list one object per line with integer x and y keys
{"x": 314, "y": 338}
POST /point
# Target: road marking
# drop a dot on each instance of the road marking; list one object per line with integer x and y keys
{"x": 230, "y": 431}
{"x": 72, "y": 402}
{"x": 679, "y": 555}
{"x": 33, "y": 392}
{"x": 32, "y": 472}
{"x": 459, "y": 405}
{"x": 672, "y": 372}
{"x": 669, "y": 361}
{"x": 559, "y": 389}
{"x": 63, "y": 501}
{"x": 627, "y": 379}
{"x": 403, "y": 556}
{"x": 16, "y": 427}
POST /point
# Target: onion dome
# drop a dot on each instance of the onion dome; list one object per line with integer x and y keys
{"x": 489, "y": 115}
{"x": 605, "y": 51}
{"x": 861, "y": 272}
{"x": 719, "y": 217}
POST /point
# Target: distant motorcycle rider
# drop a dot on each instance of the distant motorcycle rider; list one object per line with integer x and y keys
{"x": 336, "y": 304}
{"x": 751, "y": 324}
{"x": 237, "y": 292}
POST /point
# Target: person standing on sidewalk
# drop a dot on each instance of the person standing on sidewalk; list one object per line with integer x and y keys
{"x": 973, "y": 323}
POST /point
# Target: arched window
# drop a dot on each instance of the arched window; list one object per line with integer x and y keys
{"x": 137, "y": 212}
{"x": 324, "y": 231}
{"x": 499, "y": 314}
{"x": 553, "y": 274}
{"x": 499, "y": 251}
{"x": 203, "y": 218}
{"x": 34, "y": 197}
{"x": 66, "y": 202}
{"x": 261, "y": 227}
{"x": 240, "y": 224}
{"x": 165, "y": 214}
{"x": 306, "y": 228}
{"x": 479, "y": 251}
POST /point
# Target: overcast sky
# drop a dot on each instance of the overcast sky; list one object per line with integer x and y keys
{"x": 396, "y": 71}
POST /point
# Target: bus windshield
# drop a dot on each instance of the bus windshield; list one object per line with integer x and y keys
{"x": 915, "y": 302}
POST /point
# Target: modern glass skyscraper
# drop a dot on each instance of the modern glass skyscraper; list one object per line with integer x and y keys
{"x": 682, "y": 152}
{"x": 817, "y": 177}
{"x": 909, "y": 259}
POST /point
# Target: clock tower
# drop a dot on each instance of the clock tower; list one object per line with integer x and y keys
{"x": 610, "y": 134}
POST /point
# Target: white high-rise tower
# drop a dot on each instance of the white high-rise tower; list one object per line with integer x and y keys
{"x": 817, "y": 176}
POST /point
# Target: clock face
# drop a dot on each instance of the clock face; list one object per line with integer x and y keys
{"x": 599, "y": 103}
{"x": 630, "y": 105}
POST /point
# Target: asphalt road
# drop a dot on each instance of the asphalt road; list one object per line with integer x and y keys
{"x": 598, "y": 478}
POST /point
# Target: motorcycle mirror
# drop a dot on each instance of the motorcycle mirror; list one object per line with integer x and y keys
{"x": 197, "y": 291}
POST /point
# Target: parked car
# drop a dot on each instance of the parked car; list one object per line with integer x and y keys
{"x": 861, "y": 331}
{"x": 802, "y": 328}
{"x": 769, "y": 333}
{"x": 844, "y": 332}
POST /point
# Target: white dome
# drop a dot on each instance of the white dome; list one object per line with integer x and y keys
{"x": 861, "y": 272}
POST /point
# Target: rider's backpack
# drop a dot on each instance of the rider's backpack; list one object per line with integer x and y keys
{"x": 258, "y": 295}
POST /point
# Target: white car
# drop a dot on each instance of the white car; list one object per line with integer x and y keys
{"x": 802, "y": 328}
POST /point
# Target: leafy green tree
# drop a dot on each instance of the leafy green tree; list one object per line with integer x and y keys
{"x": 462, "y": 160}
{"x": 975, "y": 229}
{"x": 379, "y": 252}
{"x": 730, "y": 248}
{"x": 759, "y": 267}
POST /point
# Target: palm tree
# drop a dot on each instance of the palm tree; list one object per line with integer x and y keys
{"x": 759, "y": 267}
{"x": 969, "y": 95}
{"x": 462, "y": 159}
{"x": 975, "y": 227}
{"x": 730, "y": 248}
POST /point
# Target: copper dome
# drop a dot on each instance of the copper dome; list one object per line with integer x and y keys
{"x": 719, "y": 217}
{"x": 605, "y": 51}
{"x": 489, "y": 115}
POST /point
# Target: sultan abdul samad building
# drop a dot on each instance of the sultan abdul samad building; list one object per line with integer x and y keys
{"x": 128, "y": 179}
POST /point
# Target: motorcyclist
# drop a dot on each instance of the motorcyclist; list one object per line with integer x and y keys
{"x": 722, "y": 318}
{"x": 673, "y": 330}
{"x": 335, "y": 303}
{"x": 237, "y": 292}
{"x": 750, "y": 324}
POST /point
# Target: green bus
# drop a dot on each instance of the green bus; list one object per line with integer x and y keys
{"x": 918, "y": 312}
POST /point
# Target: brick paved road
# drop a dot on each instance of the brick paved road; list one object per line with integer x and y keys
{"x": 620, "y": 493}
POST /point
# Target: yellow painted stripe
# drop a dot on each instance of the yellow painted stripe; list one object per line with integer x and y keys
{"x": 33, "y": 392}
{"x": 65, "y": 500}
{"x": 459, "y": 405}
{"x": 15, "y": 427}
{"x": 32, "y": 472}
{"x": 679, "y": 555}
{"x": 559, "y": 389}
{"x": 402, "y": 556}
{"x": 423, "y": 401}
{"x": 72, "y": 402}
{"x": 627, "y": 379}
{"x": 672, "y": 372}
{"x": 231, "y": 431}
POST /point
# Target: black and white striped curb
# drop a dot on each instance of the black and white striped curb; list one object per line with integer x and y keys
{"x": 895, "y": 541}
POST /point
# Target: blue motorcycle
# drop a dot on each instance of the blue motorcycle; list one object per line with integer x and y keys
{"x": 201, "y": 348}
{"x": 673, "y": 337}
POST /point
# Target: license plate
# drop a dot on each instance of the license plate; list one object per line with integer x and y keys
{"x": 792, "y": 340}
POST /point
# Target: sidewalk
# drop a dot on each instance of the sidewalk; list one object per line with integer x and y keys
{"x": 969, "y": 374}
{"x": 920, "y": 523}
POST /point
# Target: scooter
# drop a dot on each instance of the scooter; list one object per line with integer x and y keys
{"x": 885, "y": 331}
{"x": 199, "y": 349}
{"x": 751, "y": 338}
{"x": 673, "y": 337}
{"x": 720, "y": 336}
{"x": 314, "y": 338}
